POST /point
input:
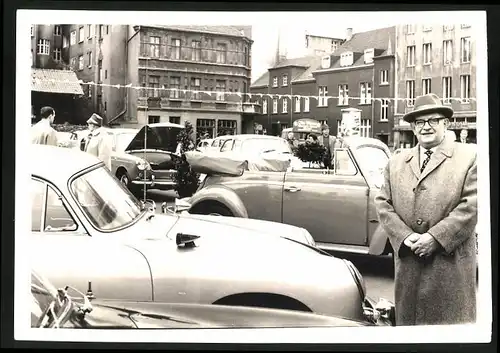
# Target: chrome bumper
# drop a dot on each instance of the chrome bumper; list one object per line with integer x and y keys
{"x": 381, "y": 313}
{"x": 153, "y": 182}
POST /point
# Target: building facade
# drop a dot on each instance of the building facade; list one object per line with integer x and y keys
{"x": 199, "y": 74}
{"x": 319, "y": 45}
{"x": 357, "y": 78}
{"x": 437, "y": 59}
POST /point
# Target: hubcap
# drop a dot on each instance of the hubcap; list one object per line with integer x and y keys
{"x": 124, "y": 180}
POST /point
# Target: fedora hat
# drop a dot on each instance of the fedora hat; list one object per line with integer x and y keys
{"x": 429, "y": 103}
{"x": 95, "y": 120}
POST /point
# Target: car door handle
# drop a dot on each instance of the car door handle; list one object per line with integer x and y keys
{"x": 292, "y": 188}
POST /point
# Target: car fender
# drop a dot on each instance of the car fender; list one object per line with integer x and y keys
{"x": 223, "y": 195}
{"x": 378, "y": 241}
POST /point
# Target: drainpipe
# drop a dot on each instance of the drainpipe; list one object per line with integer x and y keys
{"x": 137, "y": 29}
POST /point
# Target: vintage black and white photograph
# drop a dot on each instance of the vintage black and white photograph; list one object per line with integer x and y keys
{"x": 252, "y": 177}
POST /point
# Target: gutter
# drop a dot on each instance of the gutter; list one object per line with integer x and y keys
{"x": 120, "y": 114}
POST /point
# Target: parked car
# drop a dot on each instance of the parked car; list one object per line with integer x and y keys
{"x": 69, "y": 308}
{"x": 83, "y": 217}
{"x": 335, "y": 206}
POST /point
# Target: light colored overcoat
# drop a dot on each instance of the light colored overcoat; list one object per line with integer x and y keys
{"x": 44, "y": 134}
{"x": 101, "y": 146}
{"x": 443, "y": 202}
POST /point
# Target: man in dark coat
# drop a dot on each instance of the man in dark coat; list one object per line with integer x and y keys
{"x": 428, "y": 208}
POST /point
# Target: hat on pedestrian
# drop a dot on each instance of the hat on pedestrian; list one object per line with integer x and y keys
{"x": 95, "y": 120}
{"x": 428, "y": 103}
{"x": 325, "y": 127}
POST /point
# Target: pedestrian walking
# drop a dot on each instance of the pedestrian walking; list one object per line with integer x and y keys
{"x": 98, "y": 142}
{"x": 428, "y": 208}
{"x": 42, "y": 132}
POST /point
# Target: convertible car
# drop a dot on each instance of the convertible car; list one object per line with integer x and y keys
{"x": 84, "y": 217}
{"x": 69, "y": 308}
{"x": 335, "y": 205}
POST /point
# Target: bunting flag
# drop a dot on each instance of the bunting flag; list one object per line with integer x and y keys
{"x": 368, "y": 99}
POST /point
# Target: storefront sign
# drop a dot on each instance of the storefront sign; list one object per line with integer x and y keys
{"x": 351, "y": 122}
{"x": 307, "y": 125}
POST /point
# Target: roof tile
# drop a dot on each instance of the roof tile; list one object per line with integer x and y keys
{"x": 55, "y": 81}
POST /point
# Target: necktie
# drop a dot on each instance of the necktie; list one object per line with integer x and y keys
{"x": 426, "y": 160}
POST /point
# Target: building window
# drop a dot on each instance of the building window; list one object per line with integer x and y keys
{"x": 346, "y": 59}
{"x": 195, "y": 87}
{"x": 384, "y": 77}
{"x": 410, "y": 28}
{"x": 226, "y": 127}
{"x": 153, "y": 119}
{"x": 465, "y": 88}
{"x": 410, "y": 56}
{"x": 205, "y": 126}
{"x": 448, "y": 28}
{"x": 306, "y": 104}
{"x": 275, "y": 105}
{"x": 285, "y": 105}
{"x": 154, "y": 47}
{"x": 81, "y": 34}
{"x": 175, "y": 86}
{"x": 73, "y": 63}
{"x": 32, "y": 30}
{"x": 297, "y": 104}
{"x": 275, "y": 81}
{"x": 196, "y": 50}
{"x": 447, "y": 90}
{"x": 154, "y": 85}
{"x": 365, "y": 128}
{"x": 80, "y": 62}
{"x": 90, "y": 58}
{"x": 323, "y": 99}
{"x": 65, "y": 42}
{"x": 426, "y": 86}
{"x": 57, "y": 30}
{"x": 343, "y": 94}
{"x": 100, "y": 74}
{"x": 264, "y": 106}
{"x": 90, "y": 91}
{"x": 43, "y": 47}
{"x": 285, "y": 80}
{"x": 384, "y": 109}
{"x": 366, "y": 93}
{"x": 465, "y": 26}
{"x": 176, "y": 49}
{"x": 57, "y": 54}
{"x": 447, "y": 52}
{"x": 410, "y": 93}
{"x": 427, "y": 53}
{"x": 220, "y": 88}
{"x": 174, "y": 119}
{"x": 368, "y": 56}
{"x": 90, "y": 29}
{"x": 245, "y": 56}
{"x": 72, "y": 38}
{"x": 427, "y": 28}
{"x": 221, "y": 53}
{"x": 465, "y": 49}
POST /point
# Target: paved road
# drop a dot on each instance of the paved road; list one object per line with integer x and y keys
{"x": 377, "y": 271}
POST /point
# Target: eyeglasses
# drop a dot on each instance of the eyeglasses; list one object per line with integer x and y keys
{"x": 433, "y": 122}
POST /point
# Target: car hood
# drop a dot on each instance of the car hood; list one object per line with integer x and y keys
{"x": 148, "y": 315}
{"x": 259, "y": 226}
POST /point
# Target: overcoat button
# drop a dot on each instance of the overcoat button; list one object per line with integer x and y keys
{"x": 419, "y": 221}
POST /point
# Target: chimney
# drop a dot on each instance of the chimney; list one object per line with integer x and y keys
{"x": 348, "y": 34}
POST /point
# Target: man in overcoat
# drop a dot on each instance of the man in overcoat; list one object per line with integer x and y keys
{"x": 42, "y": 132}
{"x": 98, "y": 142}
{"x": 428, "y": 208}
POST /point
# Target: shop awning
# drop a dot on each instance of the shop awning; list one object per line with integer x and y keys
{"x": 55, "y": 81}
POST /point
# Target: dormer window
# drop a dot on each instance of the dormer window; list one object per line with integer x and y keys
{"x": 285, "y": 80}
{"x": 325, "y": 62}
{"x": 346, "y": 59}
{"x": 369, "y": 53}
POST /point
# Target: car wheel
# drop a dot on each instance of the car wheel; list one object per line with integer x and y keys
{"x": 124, "y": 179}
{"x": 212, "y": 210}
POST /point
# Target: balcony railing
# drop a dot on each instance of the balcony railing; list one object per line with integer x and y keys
{"x": 201, "y": 55}
{"x": 159, "y": 102}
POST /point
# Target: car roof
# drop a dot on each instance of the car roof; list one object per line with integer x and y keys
{"x": 356, "y": 141}
{"x": 59, "y": 163}
{"x": 254, "y": 136}
{"x": 165, "y": 125}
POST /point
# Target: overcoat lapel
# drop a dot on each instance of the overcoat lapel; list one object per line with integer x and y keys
{"x": 412, "y": 158}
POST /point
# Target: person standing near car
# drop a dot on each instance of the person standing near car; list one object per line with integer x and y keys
{"x": 98, "y": 142}
{"x": 428, "y": 208}
{"x": 329, "y": 142}
{"x": 42, "y": 132}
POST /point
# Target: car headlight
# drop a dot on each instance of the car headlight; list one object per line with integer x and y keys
{"x": 358, "y": 278}
{"x": 142, "y": 165}
{"x": 309, "y": 238}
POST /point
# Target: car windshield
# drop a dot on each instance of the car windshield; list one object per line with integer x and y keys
{"x": 106, "y": 203}
{"x": 259, "y": 145}
{"x": 372, "y": 161}
{"x": 123, "y": 140}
